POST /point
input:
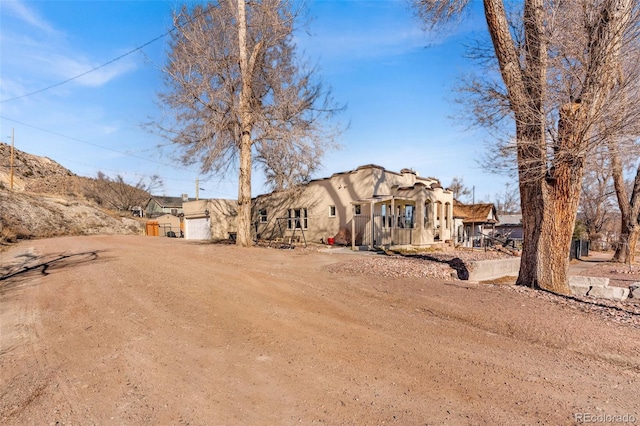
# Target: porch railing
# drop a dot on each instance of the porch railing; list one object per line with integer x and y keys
{"x": 376, "y": 231}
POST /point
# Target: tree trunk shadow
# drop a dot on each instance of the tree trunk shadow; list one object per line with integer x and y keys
{"x": 19, "y": 274}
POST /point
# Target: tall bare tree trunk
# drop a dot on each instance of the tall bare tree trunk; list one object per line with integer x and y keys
{"x": 532, "y": 204}
{"x": 629, "y": 210}
{"x": 550, "y": 182}
{"x": 563, "y": 186}
{"x": 243, "y": 237}
{"x": 549, "y": 203}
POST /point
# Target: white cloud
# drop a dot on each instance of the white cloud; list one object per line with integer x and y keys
{"x": 365, "y": 43}
{"x": 33, "y": 60}
{"x": 28, "y": 15}
{"x": 66, "y": 66}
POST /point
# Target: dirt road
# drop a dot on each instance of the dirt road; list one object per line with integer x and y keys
{"x": 140, "y": 330}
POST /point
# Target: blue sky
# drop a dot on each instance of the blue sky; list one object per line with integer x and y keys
{"x": 396, "y": 80}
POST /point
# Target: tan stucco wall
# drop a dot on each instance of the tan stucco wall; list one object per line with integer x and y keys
{"x": 222, "y": 213}
{"x": 168, "y": 222}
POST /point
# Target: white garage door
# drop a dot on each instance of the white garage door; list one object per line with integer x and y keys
{"x": 197, "y": 229}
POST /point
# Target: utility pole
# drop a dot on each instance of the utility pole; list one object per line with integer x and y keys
{"x": 198, "y": 189}
{"x": 11, "y": 161}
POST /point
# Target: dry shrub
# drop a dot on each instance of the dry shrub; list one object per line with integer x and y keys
{"x": 343, "y": 238}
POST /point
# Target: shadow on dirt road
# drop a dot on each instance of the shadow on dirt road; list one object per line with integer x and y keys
{"x": 27, "y": 265}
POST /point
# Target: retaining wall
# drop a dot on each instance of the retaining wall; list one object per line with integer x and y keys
{"x": 482, "y": 270}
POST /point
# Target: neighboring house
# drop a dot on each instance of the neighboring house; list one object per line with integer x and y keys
{"x": 474, "y": 223}
{"x": 369, "y": 206}
{"x": 210, "y": 219}
{"x": 509, "y": 226}
{"x": 159, "y": 205}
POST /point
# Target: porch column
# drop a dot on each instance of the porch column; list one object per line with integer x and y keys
{"x": 353, "y": 227}
{"x": 393, "y": 218}
{"x": 373, "y": 224}
{"x": 418, "y": 218}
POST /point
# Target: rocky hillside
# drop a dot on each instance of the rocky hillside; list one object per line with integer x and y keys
{"x": 49, "y": 200}
{"x": 39, "y": 174}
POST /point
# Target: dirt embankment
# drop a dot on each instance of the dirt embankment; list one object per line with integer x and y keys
{"x": 27, "y": 216}
{"x": 131, "y": 330}
{"x": 40, "y": 198}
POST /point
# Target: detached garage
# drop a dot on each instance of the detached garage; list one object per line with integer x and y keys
{"x": 210, "y": 219}
{"x": 197, "y": 228}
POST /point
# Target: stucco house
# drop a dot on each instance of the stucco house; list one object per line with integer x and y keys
{"x": 372, "y": 205}
{"x": 369, "y": 206}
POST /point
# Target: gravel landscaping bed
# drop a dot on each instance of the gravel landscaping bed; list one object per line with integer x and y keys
{"x": 442, "y": 265}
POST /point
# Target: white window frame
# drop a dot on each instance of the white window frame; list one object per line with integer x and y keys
{"x": 332, "y": 211}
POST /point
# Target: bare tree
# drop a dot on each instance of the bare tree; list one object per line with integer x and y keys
{"x": 117, "y": 194}
{"x": 239, "y": 94}
{"x": 508, "y": 202}
{"x": 461, "y": 192}
{"x": 629, "y": 204}
{"x": 597, "y": 203}
{"x": 558, "y": 65}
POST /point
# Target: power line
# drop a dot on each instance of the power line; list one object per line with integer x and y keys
{"x": 91, "y": 70}
{"x": 96, "y": 145}
{"x": 108, "y": 62}
{"x": 184, "y": 169}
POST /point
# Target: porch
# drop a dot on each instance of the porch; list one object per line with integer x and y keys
{"x": 386, "y": 221}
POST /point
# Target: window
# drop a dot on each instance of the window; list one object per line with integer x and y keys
{"x": 357, "y": 209}
{"x": 297, "y": 219}
{"x": 447, "y": 214}
{"x": 383, "y": 215}
{"x": 408, "y": 216}
{"x": 263, "y": 215}
{"x": 332, "y": 211}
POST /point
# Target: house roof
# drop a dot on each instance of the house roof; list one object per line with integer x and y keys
{"x": 429, "y": 182}
{"x": 375, "y": 166}
{"x": 476, "y": 213}
{"x": 510, "y": 220}
{"x": 168, "y": 201}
